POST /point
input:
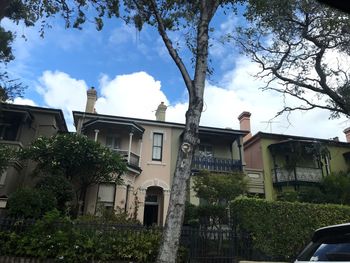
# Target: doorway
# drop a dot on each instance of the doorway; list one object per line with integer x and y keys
{"x": 153, "y": 213}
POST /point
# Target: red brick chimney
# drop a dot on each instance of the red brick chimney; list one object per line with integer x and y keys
{"x": 347, "y": 134}
{"x": 244, "y": 122}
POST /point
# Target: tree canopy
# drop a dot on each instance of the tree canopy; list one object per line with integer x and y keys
{"x": 82, "y": 161}
{"x": 215, "y": 191}
{"x": 302, "y": 48}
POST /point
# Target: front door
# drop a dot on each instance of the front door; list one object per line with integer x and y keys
{"x": 151, "y": 215}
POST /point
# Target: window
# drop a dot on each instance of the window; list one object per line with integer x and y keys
{"x": 157, "y": 146}
{"x": 3, "y": 178}
{"x": 205, "y": 150}
{"x": 113, "y": 142}
{"x": 105, "y": 197}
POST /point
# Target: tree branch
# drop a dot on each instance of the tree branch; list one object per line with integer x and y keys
{"x": 172, "y": 51}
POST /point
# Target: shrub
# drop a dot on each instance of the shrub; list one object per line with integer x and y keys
{"x": 60, "y": 238}
{"x": 60, "y": 187}
{"x": 279, "y": 230}
{"x": 30, "y": 203}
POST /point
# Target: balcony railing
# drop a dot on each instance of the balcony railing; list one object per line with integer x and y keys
{"x": 134, "y": 158}
{"x": 215, "y": 164}
{"x": 300, "y": 174}
{"x": 16, "y": 145}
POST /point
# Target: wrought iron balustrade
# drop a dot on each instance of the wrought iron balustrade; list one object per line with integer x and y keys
{"x": 215, "y": 164}
{"x": 299, "y": 174}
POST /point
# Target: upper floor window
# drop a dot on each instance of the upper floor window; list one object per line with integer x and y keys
{"x": 157, "y": 149}
{"x": 3, "y": 178}
{"x": 113, "y": 142}
{"x": 205, "y": 150}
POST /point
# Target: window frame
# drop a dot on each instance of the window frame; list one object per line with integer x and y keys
{"x": 98, "y": 202}
{"x": 157, "y": 146}
{"x": 116, "y": 141}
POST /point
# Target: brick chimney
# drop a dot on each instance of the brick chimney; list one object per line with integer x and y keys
{"x": 347, "y": 134}
{"x": 91, "y": 100}
{"x": 244, "y": 123}
{"x": 160, "y": 112}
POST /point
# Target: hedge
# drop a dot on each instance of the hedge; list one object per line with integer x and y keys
{"x": 62, "y": 240}
{"x": 279, "y": 230}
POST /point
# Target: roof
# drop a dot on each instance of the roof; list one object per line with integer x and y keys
{"x": 205, "y": 129}
{"x": 286, "y": 137}
{"x": 30, "y": 109}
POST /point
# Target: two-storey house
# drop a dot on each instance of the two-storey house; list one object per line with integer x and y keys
{"x": 19, "y": 126}
{"x": 290, "y": 162}
{"x": 150, "y": 148}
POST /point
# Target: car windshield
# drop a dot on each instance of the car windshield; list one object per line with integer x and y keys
{"x": 327, "y": 249}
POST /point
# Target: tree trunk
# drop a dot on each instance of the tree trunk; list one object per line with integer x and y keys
{"x": 176, "y": 210}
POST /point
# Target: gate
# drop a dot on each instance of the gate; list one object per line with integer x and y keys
{"x": 209, "y": 246}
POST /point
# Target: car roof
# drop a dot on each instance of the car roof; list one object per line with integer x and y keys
{"x": 331, "y": 231}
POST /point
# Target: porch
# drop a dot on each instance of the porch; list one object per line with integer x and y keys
{"x": 299, "y": 175}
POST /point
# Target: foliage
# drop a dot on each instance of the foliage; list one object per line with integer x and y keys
{"x": 214, "y": 190}
{"x": 333, "y": 189}
{"x": 336, "y": 188}
{"x": 82, "y": 161}
{"x": 279, "y": 230}
{"x": 30, "y": 203}
{"x": 6, "y": 155}
{"x": 217, "y": 188}
{"x": 104, "y": 215}
{"x": 59, "y": 187}
{"x": 60, "y": 238}
{"x": 301, "y": 47}
{"x": 191, "y": 216}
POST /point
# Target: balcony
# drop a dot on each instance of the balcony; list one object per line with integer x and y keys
{"x": 133, "y": 162}
{"x": 299, "y": 175}
{"x": 215, "y": 164}
{"x": 15, "y": 146}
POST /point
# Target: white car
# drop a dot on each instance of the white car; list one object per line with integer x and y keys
{"x": 328, "y": 244}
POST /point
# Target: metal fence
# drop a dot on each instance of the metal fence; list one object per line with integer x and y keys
{"x": 197, "y": 245}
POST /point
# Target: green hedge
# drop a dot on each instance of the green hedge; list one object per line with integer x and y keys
{"x": 279, "y": 230}
{"x": 67, "y": 242}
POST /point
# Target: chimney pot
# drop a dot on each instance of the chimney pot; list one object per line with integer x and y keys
{"x": 91, "y": 100}
{"x": 244, "y": 123}
{"x": 160, "y": 112}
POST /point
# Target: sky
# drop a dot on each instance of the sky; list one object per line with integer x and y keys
{"x": 133, "y": 72}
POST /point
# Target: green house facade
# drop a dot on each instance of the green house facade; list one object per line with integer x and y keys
{"x": 289, "y": 161}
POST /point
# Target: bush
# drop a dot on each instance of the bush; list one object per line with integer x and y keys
{"x": 279, "y": 230}
{"x": 30, "y": 203}
{"x": 58, "y": 237}
{"x": 60, "y": 187}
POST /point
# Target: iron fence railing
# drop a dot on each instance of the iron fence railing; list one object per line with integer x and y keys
{"x": 298, "y": 174}
{"x": 216, "y": 164}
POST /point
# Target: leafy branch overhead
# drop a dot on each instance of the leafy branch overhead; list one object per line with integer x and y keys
{"x": 302, "y": 48}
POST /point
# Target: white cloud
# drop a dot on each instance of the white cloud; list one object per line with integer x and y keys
{"x": 59, "y": 90}
{"x": 134, "y": 95}
{"x": 138, "y": 95}
{"x": 22, "y": 101}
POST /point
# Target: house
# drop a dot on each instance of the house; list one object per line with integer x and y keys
{"x": 19, "y": 126}
{"x": 289, "y": 162}
{"x": 150, "y": 149}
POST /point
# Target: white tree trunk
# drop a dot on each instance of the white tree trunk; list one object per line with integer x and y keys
{"x": 172, "y": 230}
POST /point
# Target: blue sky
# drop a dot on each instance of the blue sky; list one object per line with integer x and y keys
{"x": 133, "y": 73}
